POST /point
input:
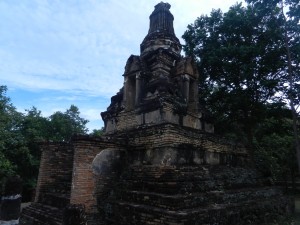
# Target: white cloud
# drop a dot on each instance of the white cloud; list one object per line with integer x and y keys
{"x": 82, "y": 45}
{"x": 79, "y": 47}
{"x": 92, "y": 114}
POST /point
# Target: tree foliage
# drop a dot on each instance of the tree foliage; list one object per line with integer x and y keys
{"x": 239, "y": 59}
{"x": 10, "y": 140}
{"x": 97, "y": 132}
{"x": 288, "y": 25}
{"x": 64, "y": 125}
{"x": 21, "y": 133}
{"x": 243, "y": 63}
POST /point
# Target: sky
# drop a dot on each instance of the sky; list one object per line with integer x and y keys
{"x": 55, "y": 53}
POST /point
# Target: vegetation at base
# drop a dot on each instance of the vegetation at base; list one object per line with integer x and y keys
{"x": 249, "y": 65}
{"x": 97, "y": 132}
{"x": 21, "y": 133}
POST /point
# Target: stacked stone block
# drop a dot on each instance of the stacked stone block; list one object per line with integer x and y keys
{"x": 54, "y": 185}
{"x": 66, "y": 179}
{"x": 189, "y": 177}
{"x": 197, "y": 195}
{"x": 83, "y": 189}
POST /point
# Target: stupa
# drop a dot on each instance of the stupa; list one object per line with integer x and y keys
{"x": 159, "y": 161}
{"x": 174, "y": 169}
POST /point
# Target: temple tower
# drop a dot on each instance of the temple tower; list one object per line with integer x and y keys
{"x": 161, "y": 31}
{"x": 174, "y": 169}
{"x": 158, "y": 162}
{"x": 160, "y": 86}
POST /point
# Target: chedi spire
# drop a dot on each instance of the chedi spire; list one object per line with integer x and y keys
{"x": 161, "y": 19}
{"x": 161, "y": 31}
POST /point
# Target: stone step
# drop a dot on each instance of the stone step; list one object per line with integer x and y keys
{"x": 221, "y": 214}
{"x": 40, "y": 214}
{"x": 196, "y": 186}
{"x": 186, "y": 173}
{"x": 180, "y": 180}
{"x": 186, "y": 201}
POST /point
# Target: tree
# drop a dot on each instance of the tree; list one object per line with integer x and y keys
{"x": 11, "y": 141}
{"x": 21, "y": 134}
{"x": 64, "y": 125}
{"x": 97, "y": 132}
{"x": 34, "y": 129}
{"x": 249, "y": 62}
{"x": 239, "y": 58}
{"x": 35, "y": 126}
{"x": 289, "y": 29}
{"x": 274, "y": 151}
{"x": 5, "y": 107}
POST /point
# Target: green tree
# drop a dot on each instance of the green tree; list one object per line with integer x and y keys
{"x": 97, "y": 132}
{"x": 12, "y": 149}
{"x": 288, "y": 25}
{"x": 21, "y": 134}
{"x": 5, "y": 107}
{"x": 248, "y": 60}
{"x": 35, "y": 126}
{"x": 274, "y": 151}
{"x": 239, "y": 58}
{"x": 34, "y": 129}
{"x": 64, "y": 125}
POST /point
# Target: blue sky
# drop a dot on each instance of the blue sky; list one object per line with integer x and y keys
{"x": 54, "y": 53}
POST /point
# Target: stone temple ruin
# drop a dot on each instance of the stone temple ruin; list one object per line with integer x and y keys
{"x": 159, "y": 161}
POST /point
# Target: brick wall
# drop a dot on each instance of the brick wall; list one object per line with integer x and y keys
{"x": 55, "y": 173}
{"x": 171, "y": 144}
{"x": 172, "y": 135}
{"x": 83, "y": 181}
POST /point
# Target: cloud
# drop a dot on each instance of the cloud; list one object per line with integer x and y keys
{"x": 57, "y": 49}
{"x": 92, "y": 114}
{"x": 78, "y": 49}
{"x": 78, "y": 45}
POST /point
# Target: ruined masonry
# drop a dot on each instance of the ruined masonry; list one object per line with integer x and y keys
{"x": 159, "y": 161}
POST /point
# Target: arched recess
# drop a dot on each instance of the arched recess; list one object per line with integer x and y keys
{"x": 193, "y": 95}
{"x": 130, "y": 92}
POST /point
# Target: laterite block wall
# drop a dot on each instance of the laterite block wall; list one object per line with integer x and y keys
{"x": 83, "y": 182}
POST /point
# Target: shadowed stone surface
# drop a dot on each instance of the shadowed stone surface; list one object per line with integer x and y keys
{"x": 74, "y": 215}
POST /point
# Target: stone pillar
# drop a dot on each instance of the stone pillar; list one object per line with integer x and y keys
{"x": 185, "y": 87}
{"x": 138, "y": 88}
{"x": 11, "y": 201}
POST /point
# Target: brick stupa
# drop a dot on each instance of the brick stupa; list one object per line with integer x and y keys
{"x": 159, "y": 161}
